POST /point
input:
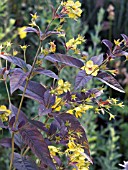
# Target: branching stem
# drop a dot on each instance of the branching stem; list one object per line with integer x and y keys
{"x": 21, "y": 102}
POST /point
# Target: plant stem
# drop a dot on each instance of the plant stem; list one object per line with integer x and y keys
{"x": 21, "y": 102}
{"x": 7, "y": 92}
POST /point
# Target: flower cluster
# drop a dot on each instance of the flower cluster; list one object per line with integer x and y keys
{"x": 62, "y": 87}
{"x": 77, "y": 155}
{"x": 73, "y": 43}
{"x": 72, "y": 9}
{"x": 82, "y": 108}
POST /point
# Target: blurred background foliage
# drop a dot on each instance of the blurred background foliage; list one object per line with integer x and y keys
{"x": 100, "y": 19}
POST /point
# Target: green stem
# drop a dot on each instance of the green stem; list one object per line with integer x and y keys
{"x": 7, "y": 92}
{"x": 25, "y": 55}
{"x": 21, "y": 102}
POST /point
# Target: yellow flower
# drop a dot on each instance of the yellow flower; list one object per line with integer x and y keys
{"x": 118, "y": 42}
{"x": 63, "y": 87}
{"x": 24, "y": 47}
{"x": 52, "y": 47}
{"x": 73, "y": 43}
{"x": 72, "y": 9}
{"x": 53, "y": 150}
{"x": 34, "y": 16}
{"x": 111, "y": 116}
{"x": 21, "y": 32}
{"x": 4, "y": 113}
{"x": 73, "y": 97}
{"x": 8, "y": 44}
{"x": 15, "y": 52}
{"x": 76, "y": 154}
{"x": 90, "y": 68}
{"x": 58, "y": 104}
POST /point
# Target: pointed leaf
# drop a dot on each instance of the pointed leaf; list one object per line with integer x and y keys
{"x": 15, "y": 60}
{"x": 39, "y": 125}
{"x": 48, "y": 73}
{"x": 34, "y": 139}
{"x": 97, "y": 59}
{"x": 110, "y": 81}
{"x": 108, "y": 44}
{"x": 23, "y": 163}
{"x": 14, "y": 111}
{"x": 30, "y": 29}
{"x": 49, "y": 33}
{"x": 34, "y": 90}
{"x": 65, "y": 59}
{"x": 16, "y": 79}
{"x": 81, "y": 79}
{"x": 76, "y": 127}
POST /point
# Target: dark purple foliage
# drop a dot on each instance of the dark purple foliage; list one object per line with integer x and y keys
{"x": 48, "y": 73}
{"x": 65, "y": 59}
{"x": 110, "y": 81}
{"x": 81, "y": 79}
{"x": 97, "y": 59}
{"x": 15, "y": 60}
{"x": 17, "y": 78}
{"x": 6, "y": 142}
{"x": 34, "y": 90}
{"x": 34, "y": 139}
{"x": 24, "y": 163}
{"x": 76, "y": 127}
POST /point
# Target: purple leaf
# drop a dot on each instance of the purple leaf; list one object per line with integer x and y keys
{"x": 48, "y": 73}
{"x": 110, "y": 81}
{"x": 49, "y": 33}
{"x": 39, "y": 125}
{"x": 108, "y": 44}
{"x": 23, "y": 163}
{"x": 76, "y": 127}
{"x": 43, "y": 110}
{"x": 125, "y": 37}
{"x": 49, "y": 99}
{"x": 30, "y": 29}
{"x": 34, "y": 90}
{"x": 14, "y": 111}
{"x": 6, "y": 142}
{"x": 97, "y": 59}
{"x": 65, "y": 59}
{"x": 19, "y": 141}
{"x": 34, "y": 139}
{"x": 81, "y": 79}
{"x": 16, "y": 79}
{"x": 15, "y": 60}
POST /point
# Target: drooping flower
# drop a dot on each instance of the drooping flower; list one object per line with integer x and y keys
{"x": 52, "y": 47}
{"x": 72, "y": 9}
{"x": 4, "y": 113}
{"x": 91, "y": 68}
